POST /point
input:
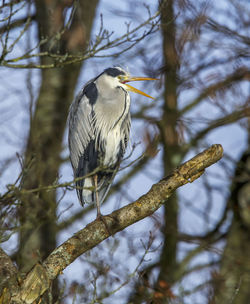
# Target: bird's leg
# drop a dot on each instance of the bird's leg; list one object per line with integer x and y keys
{"x": 98, "y": 206}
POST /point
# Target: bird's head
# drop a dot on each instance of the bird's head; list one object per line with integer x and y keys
{"x": 116, "y": 76}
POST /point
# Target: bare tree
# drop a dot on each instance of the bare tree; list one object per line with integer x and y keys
{"x": 202, "y": 66}
{"x": 191, "y": 37}
{"x": 231, "y": 281}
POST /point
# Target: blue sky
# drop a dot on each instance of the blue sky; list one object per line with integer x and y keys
{"x": 14, "y": 119}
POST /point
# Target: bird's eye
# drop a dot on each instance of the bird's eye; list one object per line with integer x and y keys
{"x": 122, "y": 78}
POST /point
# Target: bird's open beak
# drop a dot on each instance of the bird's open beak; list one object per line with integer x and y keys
{"x": 125, "y": 79}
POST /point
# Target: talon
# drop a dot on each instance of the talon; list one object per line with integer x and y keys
{"x": 101, "y": 218}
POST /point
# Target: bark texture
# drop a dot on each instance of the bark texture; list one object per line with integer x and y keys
{"x": 37, "y": 212}
{"x": 233, "y": 280}
{"x": 172, "y": 157}
{"x": 42, "y": 156}
{"x": 170, "y": 141}
{"x": 42, "y": 275}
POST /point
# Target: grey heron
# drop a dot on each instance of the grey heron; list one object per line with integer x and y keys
{"x": 99, "y": 127}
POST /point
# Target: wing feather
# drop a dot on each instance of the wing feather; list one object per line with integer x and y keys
{"x": 81, "y": 143}
{"x": 81, "y": 129}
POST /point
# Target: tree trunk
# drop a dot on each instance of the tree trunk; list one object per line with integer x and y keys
{"x": 171, "y": 156}
{"x": 231, "y": 283}
{"x": 42, "y": 156}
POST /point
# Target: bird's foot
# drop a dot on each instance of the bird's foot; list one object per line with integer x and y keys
{"x": 101, "y": 218}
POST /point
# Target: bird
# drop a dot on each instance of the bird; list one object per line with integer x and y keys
{"x": 99, "y": 128}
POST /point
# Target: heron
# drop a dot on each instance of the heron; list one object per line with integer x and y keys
{"x": 99, "y": 127}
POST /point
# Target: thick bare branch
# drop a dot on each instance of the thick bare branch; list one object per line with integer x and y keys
{"x": 39, "y": 279}
{"x": 8, "y": 277}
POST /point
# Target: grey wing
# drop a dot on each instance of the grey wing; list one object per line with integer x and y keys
{"x": 81, "y": 144}
{"x": 80, "y": 128}
{"x": 125, "y": 130}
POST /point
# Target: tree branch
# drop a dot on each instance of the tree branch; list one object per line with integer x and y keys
{"x": 102, "y": 43}
{"x": 227, "y": 119}
{"x": 238, "y": 75}
{"x": 40, "y": 277}
{"x": 8, "y": 277}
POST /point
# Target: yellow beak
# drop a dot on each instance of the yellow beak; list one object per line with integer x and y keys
{"x": 125, "y": 79}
